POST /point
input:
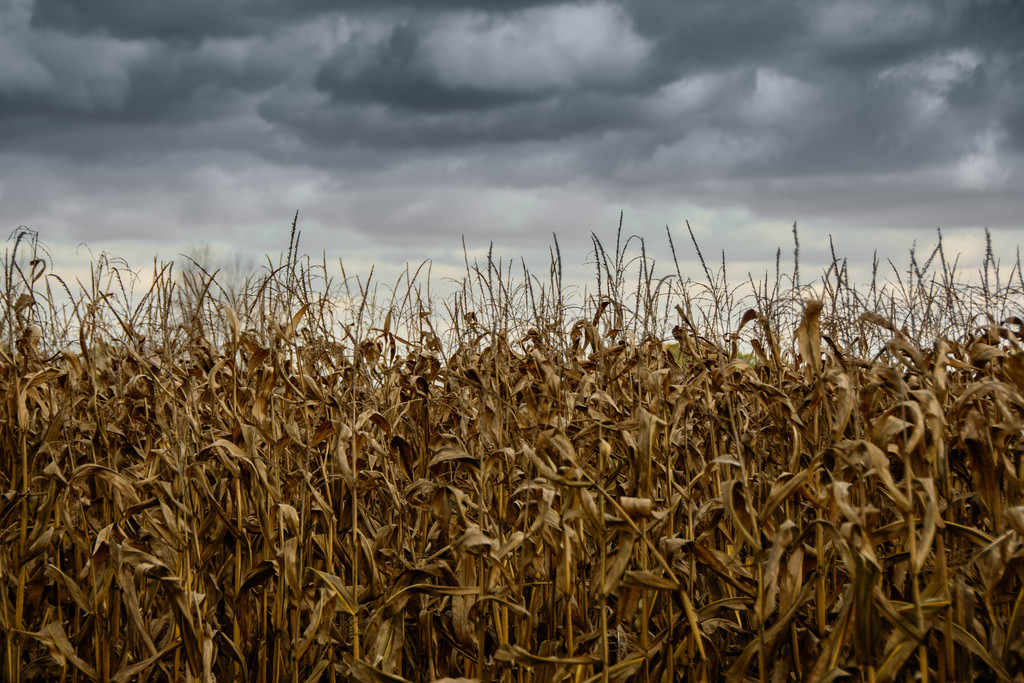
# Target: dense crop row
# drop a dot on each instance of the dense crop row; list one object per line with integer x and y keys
{"x": 255, "y": 492}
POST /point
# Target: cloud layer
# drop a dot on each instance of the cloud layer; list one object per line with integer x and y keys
{"x": 402, "y": 125}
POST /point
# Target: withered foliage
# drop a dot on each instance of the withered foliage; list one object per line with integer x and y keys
{"x": 278, "y": 504}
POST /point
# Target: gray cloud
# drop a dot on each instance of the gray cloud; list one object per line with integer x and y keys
{"x": 391, "y": 73}
{"x": 380, "y": 115}
{"x": 194, "y": 20}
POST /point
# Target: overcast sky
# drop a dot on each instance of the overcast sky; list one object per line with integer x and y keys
{"x": 397, "y": 128}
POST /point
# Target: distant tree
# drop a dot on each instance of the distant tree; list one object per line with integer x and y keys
{"x": 231, "y": 275}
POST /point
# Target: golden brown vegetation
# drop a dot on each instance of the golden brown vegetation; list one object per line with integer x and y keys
{"x": 198, "y": 492}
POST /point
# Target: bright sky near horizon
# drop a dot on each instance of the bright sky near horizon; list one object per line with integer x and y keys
{"x": 396, "y": 128}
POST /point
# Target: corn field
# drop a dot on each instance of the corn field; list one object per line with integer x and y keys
{"x": 661, "y": 479}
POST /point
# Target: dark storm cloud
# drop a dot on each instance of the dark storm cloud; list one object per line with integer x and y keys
{"x": 717, "y": 35}
{"x": 779, "y": 108}
{"x": 193, "y": 20}
{"x": 391, "y": 74}
{"x": 390, "y": 79}
{"x": 182, "y": 20}
{"x": 154, "y": 84}
{"x": 855, "y": 87}
{"x": 467, "y": 79}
